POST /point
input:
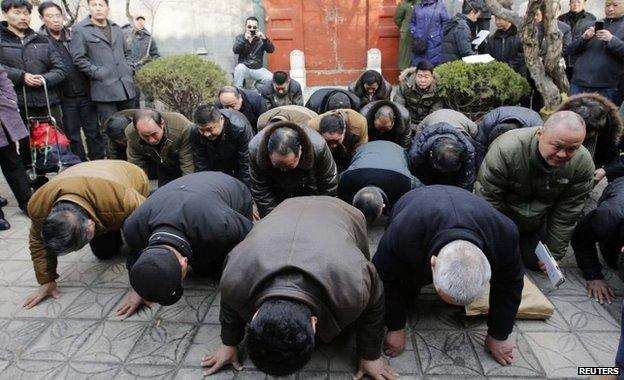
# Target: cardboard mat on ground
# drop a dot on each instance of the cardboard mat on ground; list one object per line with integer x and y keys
{"x": 534, "y": 304}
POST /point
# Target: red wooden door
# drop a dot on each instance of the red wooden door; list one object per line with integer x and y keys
{"x": 334, "y": 35}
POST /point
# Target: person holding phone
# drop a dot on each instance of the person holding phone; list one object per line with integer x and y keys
{"x": 250, "y": 47}
{"x": 599, "y": 55}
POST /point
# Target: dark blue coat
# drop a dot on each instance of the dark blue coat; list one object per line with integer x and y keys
{"x": 210, "y": 210}
{"x": 487, "y": 126}
{"x": 420, "y": 157}
{"x": 378, "y": 163}
{"x": 456, "y": 39}
{"x": 428, "y": 19}
{"x": 425, "y": 220}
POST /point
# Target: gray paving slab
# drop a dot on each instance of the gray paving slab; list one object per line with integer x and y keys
{"x": 78, "y": 336}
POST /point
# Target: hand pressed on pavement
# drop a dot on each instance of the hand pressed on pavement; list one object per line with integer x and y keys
{"x": 130, "y": 305}
{"x": 600, "y": 291}
{"x": 46, "y": 290}
{"x": 394, "y": 343}
{"x": 376, "y": 369}
{"x": 225, "y": 355}
{"x": 501, "y": 350}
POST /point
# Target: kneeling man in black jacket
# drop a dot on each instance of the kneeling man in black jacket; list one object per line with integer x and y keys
{"x": 448, "y": 236}
{"x": 192, "y": 221}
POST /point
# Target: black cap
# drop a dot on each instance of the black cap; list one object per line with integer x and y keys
{"x": 157, "y": 277}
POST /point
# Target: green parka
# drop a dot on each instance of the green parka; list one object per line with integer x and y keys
{"x": 402, "y": 19}
{"x": 419, "y": 103}
{"x": 515, "y": 180}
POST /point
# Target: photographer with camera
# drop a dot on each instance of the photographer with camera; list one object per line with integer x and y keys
{"x": 599, "y": 65}
{"x": 250, "y": 48}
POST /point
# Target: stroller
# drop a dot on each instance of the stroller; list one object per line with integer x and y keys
{"x": 49, "y": 147}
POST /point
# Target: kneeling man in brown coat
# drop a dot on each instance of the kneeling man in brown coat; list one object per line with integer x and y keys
{"x": 289, "y": 282}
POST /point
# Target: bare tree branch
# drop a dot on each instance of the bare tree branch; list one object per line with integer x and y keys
{"x": 511, "y": 16}
{"x": 128, "y": 14}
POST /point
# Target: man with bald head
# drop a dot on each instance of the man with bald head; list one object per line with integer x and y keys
{"x": 540, "y": 177}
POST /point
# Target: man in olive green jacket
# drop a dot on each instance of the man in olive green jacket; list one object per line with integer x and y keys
{"x": 418, "y": 91}
{"x": 162, "y": 138}
{"x": 86, "y": 203}
{"x": 540, "y": 178}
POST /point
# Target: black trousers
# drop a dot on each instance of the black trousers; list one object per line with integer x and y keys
{"x": 107, "y": 245}
{"x": 108, "y": 109}
{"x": 167, "y": 174}
{"x": 528, "y": 244}
{"x": 81, "y": 114}
{"x": 15, "y": 173}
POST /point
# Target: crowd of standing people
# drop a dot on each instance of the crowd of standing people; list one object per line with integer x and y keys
{"x": 273, "y": 197}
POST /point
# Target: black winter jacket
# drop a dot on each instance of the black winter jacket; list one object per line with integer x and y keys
{"x": 378, "y": 163}
{"x": 35, "y": 55}
{"x": 456, "y": 39}
{"x": 212, "y": 212}
{"x": 578, "y": 23}
{"x": 315, "y": 174}
{"x": 253, "y": 106}
{"x": 604, "y": 225}
{"x": 401, "y": 132}
{"x": 490, "y": 121}
{"x": 318, "y": 100}
{"x": 228, "y": 153}
{"x": 506, "y": 46}
{"x": 420, "y": 157}
{"x": 251, "y": 54}
{"x": 425, "y": 220}
{"x": 76, "y": 84}
{"x": 600, "y": 64}
{"x": 382, "y": 93}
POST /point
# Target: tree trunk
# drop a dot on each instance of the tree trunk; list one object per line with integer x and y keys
{"x": 128, "y": 14}
{"x": 549, "y": 76}
{"x": 531, "y": 44}
{"x": 554, "y": 45}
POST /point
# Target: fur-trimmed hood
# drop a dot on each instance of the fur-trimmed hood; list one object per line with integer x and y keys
{"x": 310, "y": 141}
{"x": 408, "y": 77}
{"x": 614, "y": 124}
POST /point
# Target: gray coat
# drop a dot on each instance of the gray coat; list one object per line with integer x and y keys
{"x": 12, "y": 128}
{"x": 143, "y": 48}
{"x": 106, "y": 63}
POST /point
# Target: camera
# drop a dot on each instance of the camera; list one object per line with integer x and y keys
{"x": 252, "y": 32}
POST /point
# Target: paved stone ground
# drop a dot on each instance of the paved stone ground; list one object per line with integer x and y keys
{"x": 78, "y": 336}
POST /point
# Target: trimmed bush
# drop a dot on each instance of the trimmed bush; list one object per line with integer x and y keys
{"x": 182, "y": 81}
{"x": 476, "y": 88}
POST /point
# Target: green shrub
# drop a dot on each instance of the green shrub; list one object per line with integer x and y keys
{"x": 476, "y": 88}
{"x": 182, "y": 81}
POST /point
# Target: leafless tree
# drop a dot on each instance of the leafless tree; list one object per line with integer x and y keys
{"x": 72, "y": 10}
{"x": 549, "y": 76}
{"x": 151, "y": 7}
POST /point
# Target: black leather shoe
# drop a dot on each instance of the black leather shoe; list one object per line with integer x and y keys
{"x": 4, "y": 225}
{"x": 3, "y": 202}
